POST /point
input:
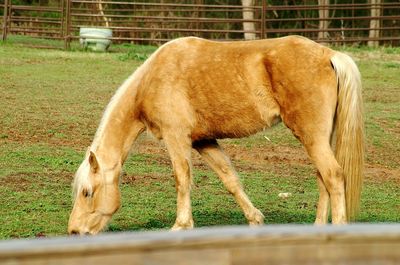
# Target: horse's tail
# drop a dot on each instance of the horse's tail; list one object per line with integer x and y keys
{"x": 349, "y": 127}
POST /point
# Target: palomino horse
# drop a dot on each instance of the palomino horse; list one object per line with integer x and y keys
{"x": 191, "y": 92}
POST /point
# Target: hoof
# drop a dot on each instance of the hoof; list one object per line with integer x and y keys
{"x": 257, "y": 218}
{"x": 182, "y": 226}
{"x": 319, "y": 222}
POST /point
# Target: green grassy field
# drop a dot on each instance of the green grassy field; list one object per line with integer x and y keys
{"x": 52, "y": 101}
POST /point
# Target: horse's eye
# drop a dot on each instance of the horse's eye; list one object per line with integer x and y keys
{"x": 86, "y": 193}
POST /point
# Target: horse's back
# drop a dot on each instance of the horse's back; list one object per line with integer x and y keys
{"x": 226, "y": 89}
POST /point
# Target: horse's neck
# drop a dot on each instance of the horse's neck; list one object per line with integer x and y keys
{"x": 113, "y": 137}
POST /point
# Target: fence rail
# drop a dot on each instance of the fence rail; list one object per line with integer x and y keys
{"x": 155, "y": 23}
{"x": 298, "y": 244}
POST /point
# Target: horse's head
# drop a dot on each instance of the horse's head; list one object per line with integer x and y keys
{"x": 96, "y": 196}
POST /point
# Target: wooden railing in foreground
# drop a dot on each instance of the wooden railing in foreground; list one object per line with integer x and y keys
{"x": 294, "y": 244}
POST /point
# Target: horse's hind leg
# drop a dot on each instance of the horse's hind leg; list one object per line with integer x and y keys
{"x": 220, "y": 163}
{"x": 323, "y": 202}
{"x": 179, "y": 147}
{"x": 314, "y": 132}
{"x": 332, "y": 177}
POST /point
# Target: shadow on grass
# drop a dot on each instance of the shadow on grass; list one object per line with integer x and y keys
{"x": 217, "y": 218}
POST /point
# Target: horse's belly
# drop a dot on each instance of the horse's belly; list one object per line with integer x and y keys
{"x": 236, "y": 121}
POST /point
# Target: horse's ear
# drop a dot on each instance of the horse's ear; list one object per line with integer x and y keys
{"x": 94, "y": 164}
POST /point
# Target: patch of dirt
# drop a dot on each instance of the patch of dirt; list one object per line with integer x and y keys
{"x": 268, "y": 154}
{"x": 376, "y": 174}
{"x": 146, "y": 144}
{"x": 257, "y": 158}
{"x": 260, "y": 158}
{"x": 42, "y": 136}
{"x": 21, "y": 182}
{"x": 142, "y": 179}
{"x": 244, "y": 158}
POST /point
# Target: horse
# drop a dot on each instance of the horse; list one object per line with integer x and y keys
{"x": 191, "y": 92}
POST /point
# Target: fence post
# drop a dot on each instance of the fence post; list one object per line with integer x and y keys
{"x": 263, "y": 15}
{"x": 62, "y": 30}
{"x": 67, "y": 37}
{"x": 5, "y": 20}
{"x": 374, "y": 24}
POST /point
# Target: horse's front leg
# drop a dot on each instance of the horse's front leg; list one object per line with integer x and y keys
{"x": 215, "y": 157}
{"x": 179, "y": 149}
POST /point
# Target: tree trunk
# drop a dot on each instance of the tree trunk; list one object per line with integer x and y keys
{"x": 323, "y": 12}
{"x": 101, "y": 11}
{"x": 248, "y": 14}
{"x": 374, "y": 24}
{"x": 5, "y": 19}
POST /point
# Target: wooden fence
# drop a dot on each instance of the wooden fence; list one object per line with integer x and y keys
{"x": 157, "y": 22}
{"x": 298, "y": 244}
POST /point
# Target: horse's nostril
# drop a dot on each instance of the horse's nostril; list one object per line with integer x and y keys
{"x": 87, "y": 234}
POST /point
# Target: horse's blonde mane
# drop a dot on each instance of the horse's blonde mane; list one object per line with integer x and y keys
{"x": 133, "y": 80}
{"x": 110, "y": 107}
{"x": 81, "y": 179}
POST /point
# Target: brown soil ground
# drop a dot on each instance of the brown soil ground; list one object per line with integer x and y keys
{"x": 261, "y": 157}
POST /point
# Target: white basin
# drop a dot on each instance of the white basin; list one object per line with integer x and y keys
{"x": 95, "y": 39}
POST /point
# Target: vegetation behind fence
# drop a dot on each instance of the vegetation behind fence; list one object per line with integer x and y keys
{"x": 154, "y": 22}
{"x": 370, "y": 22}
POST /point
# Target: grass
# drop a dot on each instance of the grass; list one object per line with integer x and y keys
{"x": 52, "y": 101}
